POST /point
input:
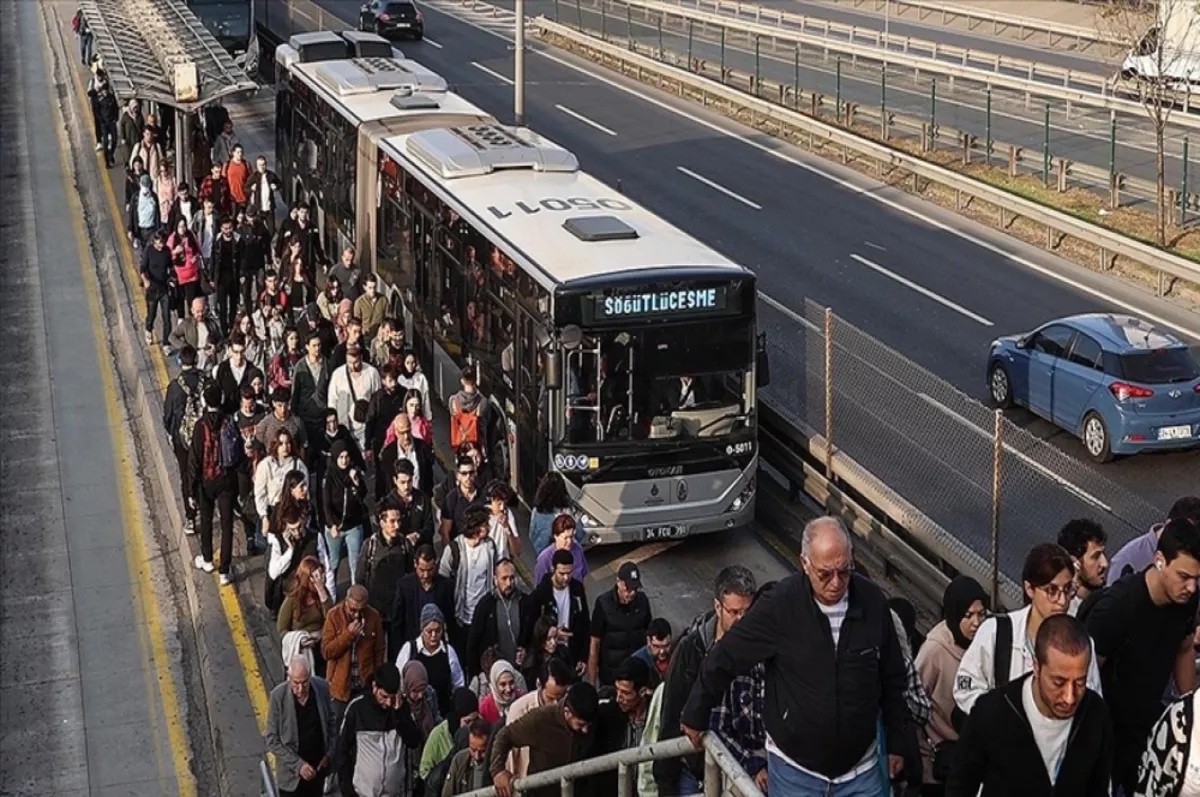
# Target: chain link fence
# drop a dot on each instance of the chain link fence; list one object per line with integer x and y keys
{"x": 994, "y": 488}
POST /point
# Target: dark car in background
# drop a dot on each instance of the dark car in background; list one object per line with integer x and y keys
{"x": 1120, "y": 384}
{"x": 392, "y": 19}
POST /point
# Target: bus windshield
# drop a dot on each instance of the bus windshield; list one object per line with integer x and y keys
{"x": 666, "y": 381}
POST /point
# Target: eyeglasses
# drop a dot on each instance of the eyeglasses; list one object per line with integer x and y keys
{"x": 736, "y": 614}
{"x": 1056, "y": 593}
{"x": 827, "y": 574}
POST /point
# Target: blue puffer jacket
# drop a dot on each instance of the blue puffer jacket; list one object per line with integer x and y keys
{"x": 147, "y": 209}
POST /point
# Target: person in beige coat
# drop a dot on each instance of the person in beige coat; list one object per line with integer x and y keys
{"x": 964, "y": 607}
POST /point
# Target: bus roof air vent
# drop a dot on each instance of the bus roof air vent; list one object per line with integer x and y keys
{"x": 414, "y": 102}
{"x": 599, "y": 228}
{"x": 370, "y": 75}
{"x": 364, "y": 44}
{"x": 318, "y": 45}
{"x": 481, "y": 149}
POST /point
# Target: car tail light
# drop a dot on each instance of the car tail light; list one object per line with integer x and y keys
{"x": 1196, "y": 389}
{"x": 384, "y": 17}
{"x": 1124, "y": 391}
{"x": 420, "y": 16}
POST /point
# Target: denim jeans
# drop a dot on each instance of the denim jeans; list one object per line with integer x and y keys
{"x": 784, "y": 779}
{"x": 353, "y": 539}
{"x": 688, "y": 785}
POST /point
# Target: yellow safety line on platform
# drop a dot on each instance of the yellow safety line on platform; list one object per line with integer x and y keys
{"x": 136, "y": 554}
{"x": 243, "y": 643}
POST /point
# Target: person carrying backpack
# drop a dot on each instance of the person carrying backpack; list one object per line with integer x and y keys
{"x": 182, "y": 408}
{"x": 469, "y": 560}
{"x": 468, "y": 412}
{"x": 213, "y": 459}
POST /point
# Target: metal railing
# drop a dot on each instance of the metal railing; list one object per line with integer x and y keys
{"x": 889, "y": 43}
{"x": 1061, "y": 85}
{"x": 1057, "y": 34}
{"x": 1003, "y": 207}
{"x": 723, "y": 775}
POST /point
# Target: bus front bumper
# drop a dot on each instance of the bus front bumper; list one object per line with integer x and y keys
{"x": 628, "y": 533}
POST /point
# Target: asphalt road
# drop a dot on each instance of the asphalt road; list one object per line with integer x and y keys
{"x": 1082, "y": 135}
{"x": 800, "y": 222}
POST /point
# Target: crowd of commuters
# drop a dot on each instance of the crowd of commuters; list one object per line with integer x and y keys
{"x": 428, "y": 668}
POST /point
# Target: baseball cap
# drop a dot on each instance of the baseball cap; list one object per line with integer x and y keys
{"x": 631, "y": 575}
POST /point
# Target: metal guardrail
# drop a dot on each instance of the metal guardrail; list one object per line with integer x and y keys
{"x": 1108, "y": 243}
{"x": 1056, "y": 33}
{"x": 723, "y": 775}
{"x": 1026, "y": 86}
{"x": 889, "y": 43}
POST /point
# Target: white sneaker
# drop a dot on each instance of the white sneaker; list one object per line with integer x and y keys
{"x": 149, "y": 338}
{"x": 166, "y": 350}
{"x": 226, "y": 579}
{"x": 189, "y": 527}
{"x": 99, "y": 146}
{"x": 202, "y": 564}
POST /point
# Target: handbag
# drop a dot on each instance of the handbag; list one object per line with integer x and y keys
{"x": 358, "y": 408}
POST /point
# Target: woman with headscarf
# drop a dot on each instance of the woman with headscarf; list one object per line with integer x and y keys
{"x": 343, "y": 490}
{"x": 505, "y": 690}
{"x": 345, "y": 311}
{"x": 422, "y": 702}
{"x": 442, "y": 743}
{"x": 964, "y": 607}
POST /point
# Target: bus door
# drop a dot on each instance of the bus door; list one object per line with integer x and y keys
{"x": 424, "y": 242}
{"x": 583, "y": 380}
{"x": 532, "y": 418}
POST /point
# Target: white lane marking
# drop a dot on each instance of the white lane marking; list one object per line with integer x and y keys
{"x": 921, "y": 289}
{"x": 718, "y": 187}
{"x": 585, "y": 120}
{"x": 1039, "y": 467}
{"x": 492, "y": 72}
{"x": 431, "y": 42}
{"x": 865, "y": 192}
{"x": 875, "y": 246}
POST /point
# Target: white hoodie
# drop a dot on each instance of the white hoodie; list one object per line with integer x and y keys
{"x": 975, "y": 672}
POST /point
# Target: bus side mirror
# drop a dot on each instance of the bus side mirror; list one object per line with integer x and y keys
{"x": 552, "y": 369}
{"x": 762, "y": 362}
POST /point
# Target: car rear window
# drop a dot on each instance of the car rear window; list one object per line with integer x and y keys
{"x": 1159, "y": 366}
{"x": 401, "y": 8}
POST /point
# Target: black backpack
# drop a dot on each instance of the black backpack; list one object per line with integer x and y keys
{"x": 1002, "y": 660}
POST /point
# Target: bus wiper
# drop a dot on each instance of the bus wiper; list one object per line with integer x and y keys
{"x": 729, "y": 416}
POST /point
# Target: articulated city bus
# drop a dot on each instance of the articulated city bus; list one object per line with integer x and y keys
{"x": 611, "y": 346}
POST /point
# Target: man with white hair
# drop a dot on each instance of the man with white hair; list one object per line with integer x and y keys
{"x": 301, "y": 731}
{"x": 833, "y": 664}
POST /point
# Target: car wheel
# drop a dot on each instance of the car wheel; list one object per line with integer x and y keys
{"x": 1000, "y": 386}
{"x": 1095, "y": 438}
{"x": 419, "y": 35}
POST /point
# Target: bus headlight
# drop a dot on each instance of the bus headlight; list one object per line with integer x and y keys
{"x": 744, "y": 497}
{"x": 587, "y": 521}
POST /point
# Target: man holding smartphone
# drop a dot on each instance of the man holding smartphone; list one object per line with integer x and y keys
{"x": 376, "y": 735}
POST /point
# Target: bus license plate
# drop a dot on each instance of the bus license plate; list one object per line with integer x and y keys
{"x": 664, "y": 532}
{"x": 1175, "y": 433}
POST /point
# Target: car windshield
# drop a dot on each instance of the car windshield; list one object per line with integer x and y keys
{"x": 667, "y": 381}
{"x": 1160, "y": 366}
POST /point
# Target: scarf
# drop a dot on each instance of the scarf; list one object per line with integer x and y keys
{"x": 412, "y": 678}
{"x": 339, "y": 478}
{"x": 957, "y": 600}
{"x": 498, "y": 670}
{"x": 468, "y": 402}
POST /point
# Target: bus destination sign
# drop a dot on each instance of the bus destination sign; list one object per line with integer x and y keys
{"x": 660, "y": 304}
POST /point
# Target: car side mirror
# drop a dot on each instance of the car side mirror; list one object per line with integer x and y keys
{"x": 762, "y": 362}
{"x": 1023, "y": 343}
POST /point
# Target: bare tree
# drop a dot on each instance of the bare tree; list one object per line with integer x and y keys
{"x": 1163, "y": 46}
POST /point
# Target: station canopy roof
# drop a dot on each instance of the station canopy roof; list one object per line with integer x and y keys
{"x": 141, "y": 43}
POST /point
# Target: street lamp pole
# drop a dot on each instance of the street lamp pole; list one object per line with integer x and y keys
{"x": 519, "y": 66}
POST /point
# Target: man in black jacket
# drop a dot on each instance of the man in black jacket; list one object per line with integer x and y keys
{"x": 310, "y": 387}
{"x": 424, "y": 585}
{"x": 382, "y": 409}
{"x": 1044, "y": 735}
{"x": 619, "y": 622}
{"x": 208, "y": 461}
{"x": 256, "y": 252}
{"x": 497, "y": 620}
{"x": 157, "y": 273}
{"x": 227, "y": 268}
{"x": 576, "y": 627}
{"x": 833, "y": 664}
{"x": 384, "y": 560}
{"x": 381, "y": 722}
{"x": 416, "y": 521}
{"x": 733, "y": 593}
{"x": 234, "y": 373}
{"x": 185, "y": 389}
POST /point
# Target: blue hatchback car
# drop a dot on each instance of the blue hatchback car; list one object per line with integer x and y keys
{"x": 1121, "y": 384}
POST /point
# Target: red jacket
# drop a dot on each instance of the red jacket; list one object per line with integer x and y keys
{"x": 218, "y": 191}
{"x": 236, "y": 175}
{"x": 187, "y": 259}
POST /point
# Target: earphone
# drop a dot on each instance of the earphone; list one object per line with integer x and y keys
{"x": 1159, "y": 564}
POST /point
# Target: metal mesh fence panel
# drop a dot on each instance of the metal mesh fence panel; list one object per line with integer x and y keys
{"x": 934, "y": 446}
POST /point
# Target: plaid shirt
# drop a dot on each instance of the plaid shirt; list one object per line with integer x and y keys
{"x": 919, "y": 705}
{"x": 738, "y": 719}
